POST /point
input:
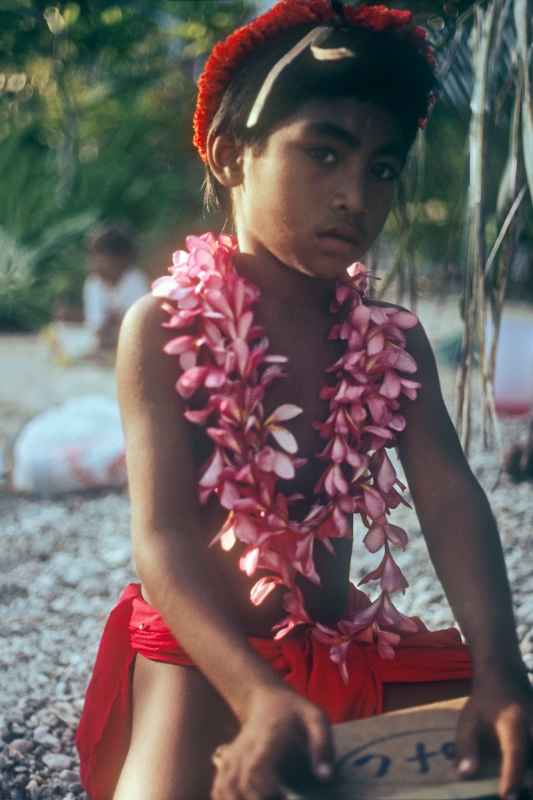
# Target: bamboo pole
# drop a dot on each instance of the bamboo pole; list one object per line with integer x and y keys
{"x": 524, "y": 53}
{"x": 474, "y": 300}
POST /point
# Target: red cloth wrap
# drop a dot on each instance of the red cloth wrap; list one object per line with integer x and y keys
{"x": 134, "y": 626}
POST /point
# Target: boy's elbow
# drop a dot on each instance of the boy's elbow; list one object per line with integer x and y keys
{"x": 159, "y": 552}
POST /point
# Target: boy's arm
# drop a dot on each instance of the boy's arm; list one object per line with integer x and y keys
{"x": 171, "y": 532}
{"x": 465, "y": 548}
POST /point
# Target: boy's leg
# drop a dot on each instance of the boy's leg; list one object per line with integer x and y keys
{"x": 405, "y": 695}
{"x": 178, "y": 721}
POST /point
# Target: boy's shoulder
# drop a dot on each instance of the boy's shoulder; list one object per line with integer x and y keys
{"x": 142, "y": 328}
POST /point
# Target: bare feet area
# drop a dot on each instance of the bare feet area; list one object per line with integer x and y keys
{"x": 64, "y": 561}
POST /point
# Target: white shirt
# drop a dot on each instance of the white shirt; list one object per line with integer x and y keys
{"x": 100, "y": 299}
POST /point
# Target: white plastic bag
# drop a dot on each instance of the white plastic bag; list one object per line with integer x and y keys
{"x": 513, "y": 379}
{"x": 74, "y": 446}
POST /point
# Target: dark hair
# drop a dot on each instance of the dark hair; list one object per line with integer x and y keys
{"x": 115, "y": 240}
{"x": 387, "y": 69}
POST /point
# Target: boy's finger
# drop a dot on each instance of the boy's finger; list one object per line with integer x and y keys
{"x": 467, "y": 741}
{"x": 263, "y": 786}
{"x": 320, "y": 748}
{"x": 513, "y": 739}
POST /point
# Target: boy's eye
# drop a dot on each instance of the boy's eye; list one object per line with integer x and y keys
{"x": 325, "y": 155}
{"x": 385, "y": 171}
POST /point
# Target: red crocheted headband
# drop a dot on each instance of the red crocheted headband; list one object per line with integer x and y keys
{"x": 228, "y": 55}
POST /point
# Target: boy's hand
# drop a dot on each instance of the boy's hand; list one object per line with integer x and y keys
{"x": 281, "y": 729}
{"x": 501, "y": 708}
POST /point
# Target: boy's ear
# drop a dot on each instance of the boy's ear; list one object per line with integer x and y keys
{"x": 225, "y": 159}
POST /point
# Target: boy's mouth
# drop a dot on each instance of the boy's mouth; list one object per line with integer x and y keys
{"x": 340, "y": 236}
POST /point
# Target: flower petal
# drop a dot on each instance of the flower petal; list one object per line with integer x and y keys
{"x": 229, "y": 494}
{"x": 375, "y": 538}
{"x": 215, "y": 378}
{"x": 248, "y": 562}
{"x": 391, "y": 385}
{"x": 190, "y": 381}
{"x": 181, "y": 344}
{"x": 284, "y": 438}
{"x": 283, "y": 413}
{"x": 242, "y": 351}
{"x": 211, "y": 475}
{"x": 386, "y": 476}
{"x": 375, "y": 343}
{"x": 404, "y": 319}
{"x": 392, "y": 579}
{"x": 283, "y": 466}
{"x": 375, "y": 505}
{"x": 261, "y": 590}
{"x": 228, "y": 540}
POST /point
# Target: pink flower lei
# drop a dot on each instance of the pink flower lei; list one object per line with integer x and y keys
{"x": 225, "y": 353}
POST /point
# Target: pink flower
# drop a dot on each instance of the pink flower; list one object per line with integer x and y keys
{"x": 229, "y": 495}
{"x": 242, "y": 353}
{"x": 180, "y": 345}
{"x": 270, "y": 460}
{"x": 281, "y": 434}
{"x": 248, "y": 562}
{"x": 394, "y": 356}
{"x": 404, "y": 319}
{"x": 215, "y": 378}
{"x": 338, "y": 654}
{"x": 379, "y": 410}
{"x": 303, "y": 559}
{"x": 334, "y": 481}
{"x": 383, "y": 613}
{"x": 373, "y": 501}
{"x": 225, "y": 352}
{"x": 389, "y": 574}
{"x": 182, "y": 318}
{"x": 409, "y": 388}
{"x": 297, "y": 615}
{"x": 211, "y": 475}
{"x": 385, "y": 474}
{"x": 217, "y": 301}
{"x": 360, "y": 319}
{"x": 380, "y": 532}
{"x": 191, "y": 380}
{"x": 376, "y": 342}
{"x": 167, "y": 287}
{"x": 391, "y": 385}
{"x": 264, "y": 586}
{"x": 224, "y": 437}
{"x": 386, "y": 641}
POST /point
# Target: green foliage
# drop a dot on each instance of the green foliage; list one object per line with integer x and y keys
{"x": 96, "y": 101}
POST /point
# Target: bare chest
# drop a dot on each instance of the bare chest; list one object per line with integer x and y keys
{"x": 310, "y": 353}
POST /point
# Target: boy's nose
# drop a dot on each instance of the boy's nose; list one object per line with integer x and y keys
{"x": 351, "y": 197}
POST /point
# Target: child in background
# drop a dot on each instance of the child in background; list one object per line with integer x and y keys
{"x": 291, "y": 385}
{"x": 113, "y": 284}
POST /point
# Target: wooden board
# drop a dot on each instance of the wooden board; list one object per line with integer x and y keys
{"x": 404, "y": 755}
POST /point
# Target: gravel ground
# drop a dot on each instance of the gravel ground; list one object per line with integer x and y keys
{"x": 64, "y": 562}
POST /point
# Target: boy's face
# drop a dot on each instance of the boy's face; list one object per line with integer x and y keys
{"x": 108, "y": 266}
{"x": 318, "y": 193}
